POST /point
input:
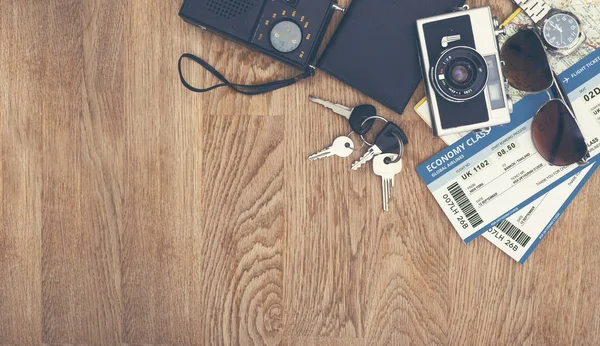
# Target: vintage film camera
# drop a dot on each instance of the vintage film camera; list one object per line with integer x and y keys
{"x": 462, "y": 72}
{"x": 288, "y": 30}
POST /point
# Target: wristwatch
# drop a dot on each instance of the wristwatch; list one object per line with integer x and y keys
{"x": 560, "y": 30}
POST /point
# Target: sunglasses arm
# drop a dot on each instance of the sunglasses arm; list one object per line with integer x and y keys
{"x": 560, "y": 91}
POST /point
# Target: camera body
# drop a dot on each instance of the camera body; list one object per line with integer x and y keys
{"x": 461, "y": 67}
{"x": 290, "y": 31}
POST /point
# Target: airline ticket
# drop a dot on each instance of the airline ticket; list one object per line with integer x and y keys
{"x": 485, "y": 177}
{"x": 520, "y": 233}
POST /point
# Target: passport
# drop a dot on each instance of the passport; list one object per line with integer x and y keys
{"x": 374, "y": 49}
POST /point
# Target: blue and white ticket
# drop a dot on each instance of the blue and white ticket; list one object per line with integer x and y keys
{"x": 519, "y": 234}
{"x": 483, "y": 178}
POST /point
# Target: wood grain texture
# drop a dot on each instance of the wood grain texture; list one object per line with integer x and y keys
{"x": 80, "y": 165}
{"x": 243, "y": 224}
{"x": 135, "y": 212}
{"x": 21, "y": 174}
{"x": 162, "y": 202}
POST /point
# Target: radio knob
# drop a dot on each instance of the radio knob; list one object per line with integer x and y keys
{"x": 499, "y": 32}
{"x": 495, "y": 21}
{"x": 286, "y": 36}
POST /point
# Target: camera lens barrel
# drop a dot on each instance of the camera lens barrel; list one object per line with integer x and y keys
{"x": 460, "y": 74}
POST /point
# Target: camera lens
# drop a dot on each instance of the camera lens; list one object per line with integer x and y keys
{"x": 460, "y": 74}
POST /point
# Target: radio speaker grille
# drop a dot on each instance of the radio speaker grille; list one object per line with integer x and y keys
{"x": 229, "y": 9}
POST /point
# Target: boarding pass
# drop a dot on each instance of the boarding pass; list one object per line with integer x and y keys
{"x": 520, "y": 233}
{"x": 485, "y": 177}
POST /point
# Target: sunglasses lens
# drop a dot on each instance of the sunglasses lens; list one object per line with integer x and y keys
{"x": 526, "y": 64}
{"x": 557, "y": 136}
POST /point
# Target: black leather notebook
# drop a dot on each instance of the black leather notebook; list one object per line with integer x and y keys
{"x": 374, "y": 49}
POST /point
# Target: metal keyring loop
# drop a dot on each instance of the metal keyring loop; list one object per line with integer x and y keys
{"x": 362, "y": 137}
{"x": 362, "y": 146}
{"x": 401, "y": 152}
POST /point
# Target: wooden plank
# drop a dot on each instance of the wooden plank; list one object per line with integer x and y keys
{"x": 80, "y": 270}
{"x": 21, "y": 112}
{"x": 67, "y": 304}
{"x": 241, "y": 271}
{"x": 587, "y": 311}
{"x": 102, "y": 159}
{"x": 160, "y": 238}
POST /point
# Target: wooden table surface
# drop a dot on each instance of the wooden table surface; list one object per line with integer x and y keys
{"x": 133, "y": 211}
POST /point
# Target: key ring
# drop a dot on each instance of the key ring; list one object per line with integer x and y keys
{"x": 362, "y": 146}
{"x": 400, "y": 153}
{"x": 364, "y": 122}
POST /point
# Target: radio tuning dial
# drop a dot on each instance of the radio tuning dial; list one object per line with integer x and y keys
{"x": 286, "y": 36}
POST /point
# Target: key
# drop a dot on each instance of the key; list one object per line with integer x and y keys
{"x": 356, "y": 116}
{"x": 341, "y": 146}
{"x": 386, "y": 170}
{"x": 385, "y": 143}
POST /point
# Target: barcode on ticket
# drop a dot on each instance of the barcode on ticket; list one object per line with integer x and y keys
{"x": 465, "y": 205}
{"x": 513, "y": 232}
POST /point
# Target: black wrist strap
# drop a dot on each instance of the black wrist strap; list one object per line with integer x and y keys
{"x": 256, "y": 89}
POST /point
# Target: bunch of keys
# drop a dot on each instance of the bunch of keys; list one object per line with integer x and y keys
{"x": 386, "y": 163}
{"x": 358, "y": 119}
{"x": 387, "y": 166}
{"x": 389, "y": 139}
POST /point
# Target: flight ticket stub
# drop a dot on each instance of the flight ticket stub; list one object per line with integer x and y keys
{"x": 519, "y": 234}
{"x": 485, "y": 177}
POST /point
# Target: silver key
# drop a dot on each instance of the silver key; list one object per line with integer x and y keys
{"x": 387, "y": 141}
{"x": 339, "y": 109}
{"x": 386, "y": 171}
{"x": 373, "y": 151}
{"x": 341, "y": 146}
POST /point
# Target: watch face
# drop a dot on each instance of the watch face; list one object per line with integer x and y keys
{"x": 561, "y": 31}
{"x": 286, "y": 36}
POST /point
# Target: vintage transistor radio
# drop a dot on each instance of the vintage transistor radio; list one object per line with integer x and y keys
{"x": 288, "y": 30}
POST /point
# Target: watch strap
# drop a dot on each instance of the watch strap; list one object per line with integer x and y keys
{"x": 535, "y": 9}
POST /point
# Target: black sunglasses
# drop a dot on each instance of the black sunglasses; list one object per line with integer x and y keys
{"x": 556, "y": 135}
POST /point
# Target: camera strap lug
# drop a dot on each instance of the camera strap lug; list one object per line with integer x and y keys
{"x": 336, "y": 7}
{"x": 461, "y": 8}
